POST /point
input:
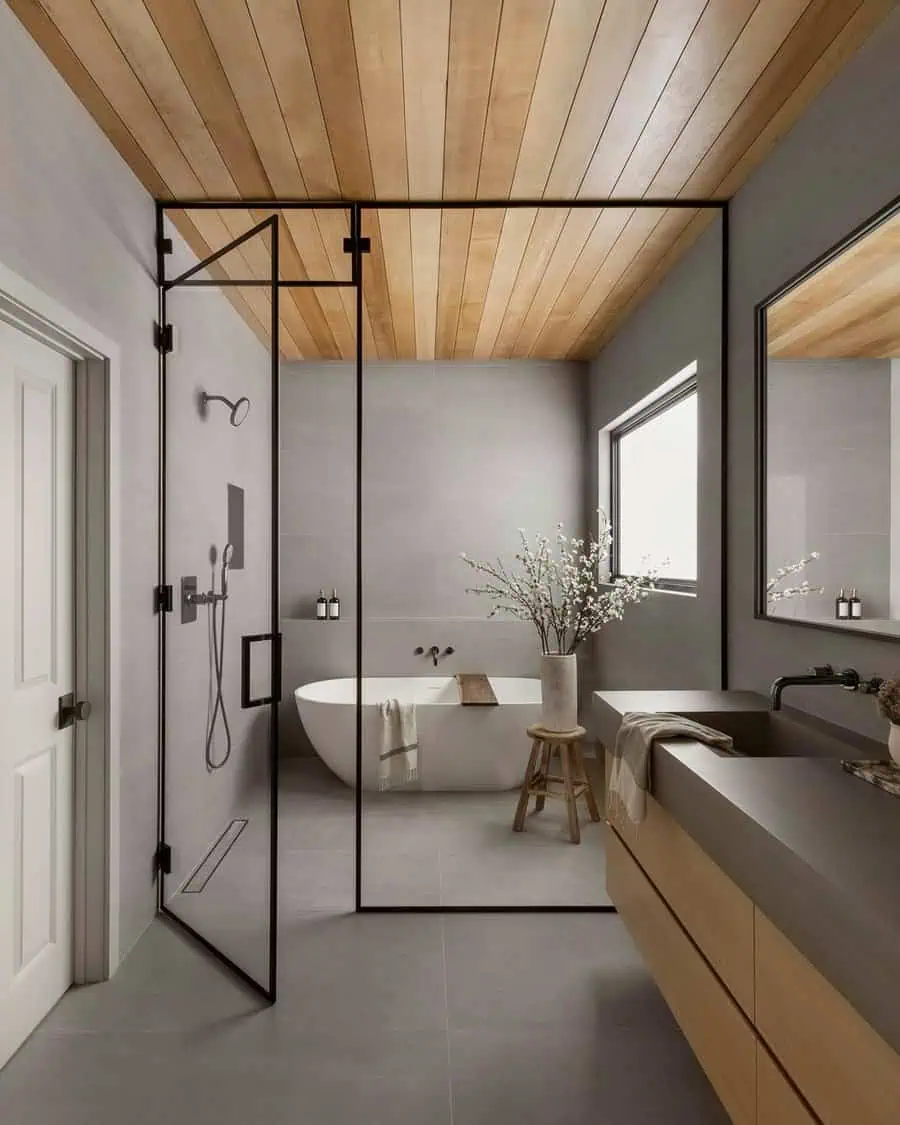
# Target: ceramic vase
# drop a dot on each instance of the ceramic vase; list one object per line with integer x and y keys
{"x": 559, "y": 692}
{"x": 894, "y": 743}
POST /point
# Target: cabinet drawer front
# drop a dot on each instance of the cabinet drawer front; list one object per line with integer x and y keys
{"x": 778, "y": 1103}
{"x": 714, "y": 911}
{"x": 711, "y": 1022}
{"x": 843, "y": 1068}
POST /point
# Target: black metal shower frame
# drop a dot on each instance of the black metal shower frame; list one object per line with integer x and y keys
{"x": 356, "y": 245}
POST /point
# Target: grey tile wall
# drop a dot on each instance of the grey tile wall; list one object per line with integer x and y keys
{"x": 456, "y": 457}
{"x": 829, "y": 478}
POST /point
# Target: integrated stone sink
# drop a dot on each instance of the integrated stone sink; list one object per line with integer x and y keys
{"x": 789, "y": 734}
{"x": 758, "y": 732}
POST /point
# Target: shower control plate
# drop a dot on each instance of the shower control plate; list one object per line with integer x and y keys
{"x": 188, "y": 608}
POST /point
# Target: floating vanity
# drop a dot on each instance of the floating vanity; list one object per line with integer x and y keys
{"x": 764, "y": 893}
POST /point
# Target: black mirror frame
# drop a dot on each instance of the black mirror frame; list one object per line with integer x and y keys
{"x": 760, "y": 366}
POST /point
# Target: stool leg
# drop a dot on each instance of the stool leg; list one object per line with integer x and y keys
{"x": 522, "y": 806}
{"x": 571, "y": 807}
{"x": 542, "y": 774}
{"x": 593, "y": 808}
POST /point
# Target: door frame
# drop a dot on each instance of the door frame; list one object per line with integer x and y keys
{"x": 96, "y": 360}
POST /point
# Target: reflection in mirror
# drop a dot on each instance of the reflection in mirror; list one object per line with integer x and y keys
{"x": 832, "y": 440}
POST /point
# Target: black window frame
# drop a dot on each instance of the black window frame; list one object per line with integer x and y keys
{"x": 653, "y": 410}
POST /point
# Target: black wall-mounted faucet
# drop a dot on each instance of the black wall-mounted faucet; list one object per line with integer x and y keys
{"x": 823, "y": 676}
{"x": 435, "y": 653}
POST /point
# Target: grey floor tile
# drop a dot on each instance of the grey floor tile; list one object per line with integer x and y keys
{"x": 377, "y": 971}
{"x": 534, "y": 1075}
{"x": 401, "y": 879}
{"x": 245, "y": 1071}
{"x": 312, "y": 879}
{"x": 166, "y": 983}
{"x": 580, "y": 969}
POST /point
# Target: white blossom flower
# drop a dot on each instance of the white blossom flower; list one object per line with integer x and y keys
{"x": 775, "y": 592}
{"x": 559, "y": 592}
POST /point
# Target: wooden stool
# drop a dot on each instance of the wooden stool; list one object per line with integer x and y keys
{"x": 574, "y": 779}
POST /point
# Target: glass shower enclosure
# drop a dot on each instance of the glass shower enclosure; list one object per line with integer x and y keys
{"x": 220, "y": 641}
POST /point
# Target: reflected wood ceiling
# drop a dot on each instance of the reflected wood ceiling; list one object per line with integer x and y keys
{"x": 851, "y": 307}
{"x": 450, "y": 99}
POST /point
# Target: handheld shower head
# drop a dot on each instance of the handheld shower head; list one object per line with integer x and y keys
{"x": 239, "y": 409}
{"x": 227, "y": 554}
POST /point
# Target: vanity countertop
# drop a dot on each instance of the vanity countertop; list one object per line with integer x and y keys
{"x": 816, "y": 849}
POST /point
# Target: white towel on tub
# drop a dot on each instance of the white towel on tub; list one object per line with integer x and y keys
{"x": 398, "y": 762}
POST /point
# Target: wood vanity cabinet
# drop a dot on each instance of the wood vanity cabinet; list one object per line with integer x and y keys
{"x": 777, "y": 1041}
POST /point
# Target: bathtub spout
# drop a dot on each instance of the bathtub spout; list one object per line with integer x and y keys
{"x": 434, "y": 652}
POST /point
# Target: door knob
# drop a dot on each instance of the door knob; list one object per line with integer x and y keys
{"x": 68, "y": 711}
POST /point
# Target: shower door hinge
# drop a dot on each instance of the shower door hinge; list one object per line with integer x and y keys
{"x": 164, "y": 245}
{"x": 352, "y": 244}
{"x": 162, "y": 861}
{"x": 163, "y": 337}
{"x": 163, "y": 600}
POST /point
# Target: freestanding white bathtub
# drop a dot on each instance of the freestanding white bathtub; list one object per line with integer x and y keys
{"x": 460, "y": 747}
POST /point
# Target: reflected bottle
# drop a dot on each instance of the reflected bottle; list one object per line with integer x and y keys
{"x": 842, "y": 606}
{"x": 856, "y": 606}
{"x": 334, "y": 607}
{"x": 321, "y": 606}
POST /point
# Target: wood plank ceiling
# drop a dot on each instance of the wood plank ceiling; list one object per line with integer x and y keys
{"x": 849, "y": 308}
{"x": 440, "y": 99}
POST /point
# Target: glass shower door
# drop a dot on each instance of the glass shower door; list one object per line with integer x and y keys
{"x": 221, "y": 646}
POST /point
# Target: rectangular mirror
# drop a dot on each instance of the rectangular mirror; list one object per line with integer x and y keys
{"x": 828, "y": 428}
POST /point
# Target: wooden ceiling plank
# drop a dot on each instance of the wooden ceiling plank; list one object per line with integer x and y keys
{"x": 763, "y": 36}
{"x": 484, "y": 239}
{"x": 184, "y": 33}
{"x": 567, "y": 46}
{"x": 573, "y": 237}
{"x": 379, "y": 56}
{"x": 540, "y": 243}
{"x": 425, "y": 234}
{"x": 474, "y": 28}
{"x": 663, "y": 44}
{"x": 425, "y": 99}
{"x": 517, "y": 224}
{"x": 520, "y": 44}
{"x": 329, "y": 36}
{"x": 713, "y": 37}
{"x": 618, "y": 37}
{"x": 233, "y": 35}
{"x": 776, "y": 27}
{"x": 819, "y": 41}
{"x": 283, "y": 43}
{"x": 456, "y": 231}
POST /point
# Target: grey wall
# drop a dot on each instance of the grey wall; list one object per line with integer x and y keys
{"x": 670, "y": 640}
{"x": 828, "y": 469}
{"x": 456, "y": 457}
{"x": 76, "y": 223}
{"x": 837, "y": 166}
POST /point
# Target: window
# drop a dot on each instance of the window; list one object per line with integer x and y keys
{"x": 654, "y": 489}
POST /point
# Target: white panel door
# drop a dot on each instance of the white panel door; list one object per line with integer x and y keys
{"x": 36, "y": 668}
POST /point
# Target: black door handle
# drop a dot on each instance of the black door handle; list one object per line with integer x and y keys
{"x": 246, "y": 643}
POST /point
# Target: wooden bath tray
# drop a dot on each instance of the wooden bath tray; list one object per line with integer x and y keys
{"x": 475, "y": 690}
{"x": 884, "y": 775}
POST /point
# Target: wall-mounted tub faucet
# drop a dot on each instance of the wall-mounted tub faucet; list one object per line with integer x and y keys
{"x": 434, "y": 652}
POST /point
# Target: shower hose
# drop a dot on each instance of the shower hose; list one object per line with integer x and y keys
{"x": 216, "y": 697}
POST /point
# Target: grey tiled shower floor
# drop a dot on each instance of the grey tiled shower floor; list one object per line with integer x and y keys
{"x": 430, "y": 849}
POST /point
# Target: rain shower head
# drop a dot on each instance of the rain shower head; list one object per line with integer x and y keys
{"x": 239, "y": 409}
